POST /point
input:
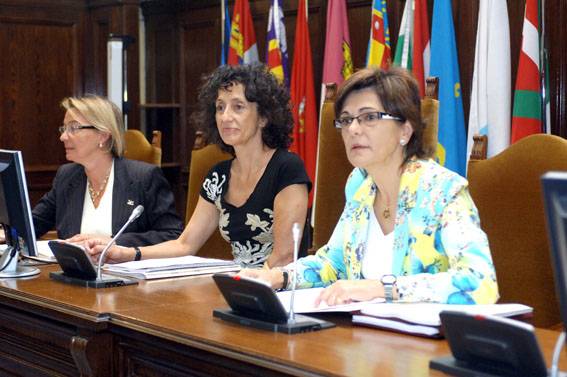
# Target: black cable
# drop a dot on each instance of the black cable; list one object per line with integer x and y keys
{"x": 13, "y": 253}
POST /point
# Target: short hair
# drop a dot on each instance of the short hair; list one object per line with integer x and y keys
{"x": 104, "y": 115}
{"x": 398, "y": 92}
{"x": 260, "y": 87}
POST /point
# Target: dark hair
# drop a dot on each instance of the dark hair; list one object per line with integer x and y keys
{"x": 398, "y": 91}
{"x": 261, "y": 87}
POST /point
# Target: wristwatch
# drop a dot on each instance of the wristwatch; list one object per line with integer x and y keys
{"x": 389, "y": 282}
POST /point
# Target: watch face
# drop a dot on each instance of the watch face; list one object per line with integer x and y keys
{"x": 388, "y": 279}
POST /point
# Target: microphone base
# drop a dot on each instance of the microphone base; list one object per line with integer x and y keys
{"x": 105, "y": 282}
{"x": 301, "y": 323}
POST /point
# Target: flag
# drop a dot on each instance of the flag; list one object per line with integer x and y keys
{"x": 526, "y": 113}
{"x": 225, "y": 31}
{"x": 303, "y": 96}
{"x": 421, "y": 44}
{"x": 491, "y": 86}
{"x": 378, "y": 53}
{"x": 337, "y": 63}
{"x": 276, "y": 46}
{"x": 451, "y": 151}
{"x": 413, "y": 46}
{"x": 243, "y": 48}
{"x": 403, "y": 55}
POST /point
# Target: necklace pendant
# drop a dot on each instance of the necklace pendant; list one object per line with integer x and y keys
{"x": 386, "y": 213}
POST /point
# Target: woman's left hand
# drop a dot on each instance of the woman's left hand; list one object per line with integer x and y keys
{"x": 346, "y": 291}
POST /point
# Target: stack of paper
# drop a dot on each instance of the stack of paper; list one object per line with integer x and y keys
{"x": 171, "y": 267}
{"x": 304, "y": 302}
{"x": 423, "y": 318}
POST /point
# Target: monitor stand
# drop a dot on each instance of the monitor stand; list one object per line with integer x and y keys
{"x": 10, "y": 268}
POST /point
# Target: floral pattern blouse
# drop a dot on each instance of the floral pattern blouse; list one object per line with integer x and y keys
{"x": 248, "y": 228}
{"x": 440, "y": 252}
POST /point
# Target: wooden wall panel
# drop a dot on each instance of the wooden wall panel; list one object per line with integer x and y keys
{"x": 52, "y": 49}
{"x": 41, "y": 61}
{"x": 195, "y": 55}
{"x": 35, "y": 86}
{"x": 556, "y": 30}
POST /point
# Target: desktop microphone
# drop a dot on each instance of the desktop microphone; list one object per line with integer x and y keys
{"x": 255, "y": 304}
{"x": 296, "y": 234}
{"x": 135, "y": 214}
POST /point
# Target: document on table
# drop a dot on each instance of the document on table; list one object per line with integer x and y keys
{"x": 171, "y": 267}
{"x": 44, "y": 252}
{"x": 304, "y": 302}
{"x": 423, "y": 318}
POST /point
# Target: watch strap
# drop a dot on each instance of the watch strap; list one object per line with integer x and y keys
{"x": 138, "y": 255}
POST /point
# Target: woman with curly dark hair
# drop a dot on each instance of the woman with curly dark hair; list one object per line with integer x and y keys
{"x": 255, "y": 197}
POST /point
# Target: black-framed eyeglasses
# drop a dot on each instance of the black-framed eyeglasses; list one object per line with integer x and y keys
{"x": 74, "y": 127}
{"x": 369, "y": 119}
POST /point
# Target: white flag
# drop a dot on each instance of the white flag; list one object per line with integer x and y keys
{"x": 491, "y": 89}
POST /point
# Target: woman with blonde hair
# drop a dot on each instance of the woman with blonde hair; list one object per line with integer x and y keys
{"x": 95, "y": 194}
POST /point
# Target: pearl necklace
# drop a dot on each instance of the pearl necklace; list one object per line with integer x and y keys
{"x": 95, "y": 194}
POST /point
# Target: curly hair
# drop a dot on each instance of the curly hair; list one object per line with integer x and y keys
{"x": 261, "y": 87}
{"x": 398, "y": 91}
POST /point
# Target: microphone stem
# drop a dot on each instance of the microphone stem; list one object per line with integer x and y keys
{"x": 295, "y": 233}
{"x": 112, "y": 241}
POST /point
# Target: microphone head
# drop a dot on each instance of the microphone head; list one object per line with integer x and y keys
{"x": 136, "y": 212}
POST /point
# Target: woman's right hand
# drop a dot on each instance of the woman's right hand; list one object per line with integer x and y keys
{"x": 116, "y": 254}
{"x": 274, "y": 276}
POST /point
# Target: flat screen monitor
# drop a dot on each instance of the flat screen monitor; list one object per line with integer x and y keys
{"x": 15, "y": 216}
{"x": 555, "y": 200}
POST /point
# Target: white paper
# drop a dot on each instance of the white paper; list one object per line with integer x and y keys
{"x": 44, "y": 252}
{"x": 395, "y": 325}
{"x": 428, "y": 313}
{"x": 172, "y": 267}
{"x": 162, "y": 264}
{"x": 304, "y": 302}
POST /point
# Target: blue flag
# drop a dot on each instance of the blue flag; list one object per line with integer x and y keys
{"x": 225, "y": 32}
{"x": 451, "y": 151}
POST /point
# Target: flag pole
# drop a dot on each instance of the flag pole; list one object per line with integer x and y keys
{"x": 543, "y": 68}
{"x": 223, "y": 22}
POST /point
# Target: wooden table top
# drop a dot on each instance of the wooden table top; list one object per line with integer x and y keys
{"x": 180, "y": 310}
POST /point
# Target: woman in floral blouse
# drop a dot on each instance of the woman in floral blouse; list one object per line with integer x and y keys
{"x": 255, "y": 197}
{"x": 409, "y": 230}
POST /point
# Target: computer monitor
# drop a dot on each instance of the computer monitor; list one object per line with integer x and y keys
{"x": 15, "y": 216}
{"x": 555, "y": 200}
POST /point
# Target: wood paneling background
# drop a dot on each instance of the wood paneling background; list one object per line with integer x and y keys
{"x": 51, "y": 49}
{"x": 56, "y": 48}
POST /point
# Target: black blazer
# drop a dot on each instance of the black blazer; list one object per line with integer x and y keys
{"x": 135, "y": 183}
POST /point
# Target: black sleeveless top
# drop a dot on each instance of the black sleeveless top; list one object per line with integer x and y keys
{"x": 248, "y": 228}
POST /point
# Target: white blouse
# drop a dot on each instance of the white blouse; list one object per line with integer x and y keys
{"x": 379, "y": 253}
{"x": 99, "y": 220}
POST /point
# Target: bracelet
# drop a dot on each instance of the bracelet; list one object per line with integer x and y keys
{"x": 138, "y": 255}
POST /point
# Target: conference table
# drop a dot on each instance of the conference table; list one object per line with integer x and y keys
{"x": 166, "y": 328}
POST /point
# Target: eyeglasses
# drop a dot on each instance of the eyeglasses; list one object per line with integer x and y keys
{"x": 369, "y": 119}
{"x": 74, "y": 127}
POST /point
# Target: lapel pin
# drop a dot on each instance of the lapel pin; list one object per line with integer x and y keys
{"x": 130, "y": 202}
